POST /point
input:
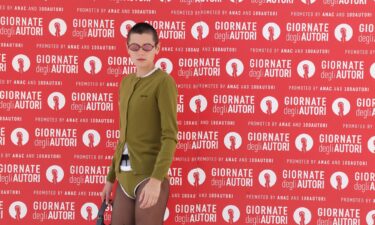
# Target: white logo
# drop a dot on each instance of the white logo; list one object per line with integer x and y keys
{"x": 198, "y": 104}
{"x": 21, "y": 63}
{"x": 339, "y": 180}
{"x": 55, "y": 174}
{"x": 92, "y": 65}
{"x": 308, "y": 2}
{"x": 91, "y": 138}
{"x": 125, "y": 27}
{"x": 56, "y": 101}
{"x": 371, "y": 144}
{"x": 271, "y": 31}
{"x": 304, "y": 142}
{"x": 17, "y": 210}
{"x": 89, "y": 211}
{"x": 370, "y": 217}
{"x": 302, "y": 216}
{"x": 236, "y": 1}
{"x": 165, "y": 65}
{"x": 343, "y": 32}
{"x": 234, "y": 67}
{"x": 19, "y": 136}
{"x": 232, "y": 141}
{"x": 341, "y": 107}
{"x": 166, "y": 214}
{"x": 306, "y": 69}
{"x": 196, "y": 177}
{"x": 372, "y": 70}
{"x": 269, "y": 105}
{"x": 200, "y": 30}
{"x": 57, "y": 27}
{"x": 267, "y": 178}
{"x": 231, "y": 214}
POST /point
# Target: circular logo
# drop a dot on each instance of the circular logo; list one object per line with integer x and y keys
{"x": 271, "y": 31}
{"x": 17, "y": 210}
{"x": 302, "y": 216}
{"x": 55, "y": 174}
{"x": 232, "y": 141}
{"x": 236, "y": 1}
{"x": 125, "y": 27}
{"x": 56, "y": 101}
{"x": 341, "y": 107}
{"x": 200, "y": 30}
{"x": 91, "y": 138}
{"x": 304, "y": 142}
{"x": 196, "y": 177}
{"x": 89, "y": 211}
{"x": 343, "y": 32}
{"x": 372, "y": 70}
{"x": 198, "y": 104}
{"x": 165, "y": 65}
{"x": 306, "y": 69}
{"x": 370, "y": 217}
{"x": 371, "y": 144}
{"x": 308, "y": 2}
{"x": 19, "y": 136}
{"x": 339, "y": 180}
{"x": 21, "y": 63}
{"x": 92, "y": 65}
{"x": 231, "y": 214}
{"x": 234, "y": 67}
{"x": 57, "y": 27}
{"x": 269, "y": 105}
{"x": 166, "y": 214}
{"x": 267, "y": 178}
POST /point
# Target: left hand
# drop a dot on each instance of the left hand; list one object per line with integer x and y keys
{"x": 150, "y": 193}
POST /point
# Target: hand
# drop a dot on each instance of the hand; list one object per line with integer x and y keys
{"x": 150, "y": 193}
{"x": 106, "y": 193}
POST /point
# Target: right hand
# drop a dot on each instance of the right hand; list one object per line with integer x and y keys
{"x": 106, "y": 193}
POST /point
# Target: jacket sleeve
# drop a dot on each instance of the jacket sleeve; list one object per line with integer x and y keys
{"x": 167, "y": 104}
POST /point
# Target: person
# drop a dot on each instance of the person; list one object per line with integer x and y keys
{"x": 148, "y": 135}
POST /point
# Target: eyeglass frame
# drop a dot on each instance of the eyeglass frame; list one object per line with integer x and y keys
{"x": 141, "y": 47}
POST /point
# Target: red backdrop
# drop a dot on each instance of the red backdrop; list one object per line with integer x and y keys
{"x": 275, "y": 108}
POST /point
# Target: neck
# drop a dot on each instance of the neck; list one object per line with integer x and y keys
{"x": 144, "y": 70}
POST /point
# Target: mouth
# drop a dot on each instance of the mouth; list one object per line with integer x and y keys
{"x": 141, "y": 59}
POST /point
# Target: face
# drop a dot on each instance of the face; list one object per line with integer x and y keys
{"x": 142, "y": 59}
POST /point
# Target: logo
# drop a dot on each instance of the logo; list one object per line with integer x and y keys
{"x": 271, "y": 31}
{"x": 125, "y": 27}
{"x": 55, "y": 174}
{"x": 165, "y": 65}
{"x": 259, "y": 141}
{"x": 91, "y": 138}
{"x": 175, "y": 176}
{"x": 303, "y": 179}
{"x": 21, "y": 26}
{"x": 199, "y": 67}
{"x": 191, "y": 140}
{"x": 93, "y": 28}
{"x": 304, "y": 142}
{"x": 230, "y": 30}
{"x": 270, "y": 68}
{"x": 340, "y": 143}
{"x": 236, "y": 1}
{"x": 196, "y": 177}
{"x": 267, "y": 178}
{"x": 92, "y": 65}
{"x": 3, "y": 62}
{"x": 231, "y": 214}
{"x": 228, "y": 104}
{"x": 56, "y": 101}
{"x": 371, "y": 144}
{"x": 232, "y": 141}
{"x": 306, "y": 69}
{"x": 305, "y": 106}
{"x": 307, "y": 32}
{"x": 2, "y": 136}
{"x": 166, "y": 214}
{"x": 302, "y": 216}
{"x": 200, "y": 30}
{"x": 269, "y": 105}
{"x": 89, "y": 211}
{"x": 372, "y": 70}
{"x": 198, "y": 104}
{"x": 118, "y": 65}
{"x": 19, "y": 136}
{"x": 308, "y": 2}
{"x": 57, "y": 27}
{"x": 234, "y": 67}
{"x": 366, "y": 33}
{"x": 364, "y": 181}
{"x": 17, "y": 210}
{"x": 234, "y": 177}
{"x": 21, "y": 63}
{"x": 343, "y": 33}
{"x": 370, "y": 217}
{"x": 344, "y": 70}
{"x": 341, "y": 107}
{"x": 339, "y": 180}
{"x": 171, "y": 29}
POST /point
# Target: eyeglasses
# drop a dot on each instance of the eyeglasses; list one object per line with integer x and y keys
{"x": 135, "y": 47}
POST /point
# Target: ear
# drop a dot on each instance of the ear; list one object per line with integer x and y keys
{"x": 157, "y": 48}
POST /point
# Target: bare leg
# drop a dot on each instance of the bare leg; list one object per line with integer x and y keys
{"x": 155, "y": 214}
{"x": 123, "y": 209}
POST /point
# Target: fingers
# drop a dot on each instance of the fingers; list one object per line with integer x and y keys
{"x": 148, "y": 199}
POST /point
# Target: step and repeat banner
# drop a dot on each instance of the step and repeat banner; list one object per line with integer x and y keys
{"x": 276, "y": 108}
